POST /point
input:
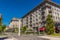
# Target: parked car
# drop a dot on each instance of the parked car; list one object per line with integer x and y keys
{"x": 56, "y": 30}
{"x": 41, "y": 29}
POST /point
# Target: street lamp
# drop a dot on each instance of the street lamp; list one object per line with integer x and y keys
{"x": 19, "y": 27}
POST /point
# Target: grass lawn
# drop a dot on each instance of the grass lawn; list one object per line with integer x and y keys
{"x": 2, "y": 34}
{"x": 56, "y": 34}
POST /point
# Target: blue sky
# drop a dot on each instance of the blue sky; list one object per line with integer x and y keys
{"x": 17, "y": 8}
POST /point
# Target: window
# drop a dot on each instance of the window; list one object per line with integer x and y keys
{"x": 39, "y": 14}
{"x": 33, "y": 20}
{"x": 36, "y": 19}
{"x": 27, "y": 17}
{"x": 55, "y": 13}
{"x": 39, "y": 17}
{"x": 58, "y": 14}
{"x": 30, "y": 21}
{"x": 36, "y": 15}
{"x": 31, "y": 25}
{"x": 30, "y": 18}
{"x": 26, "y": 22}
{"x": 53, "y": 16}
{"x": 59, "y": 18}
{"x": 31, "y": 15}
{"x": 43, "y": 17}
{"x": 56, "y": 17}
{"x": 50, "y": 11}
{"x": 42, "y": 13}
{"x": 36, "y": 23}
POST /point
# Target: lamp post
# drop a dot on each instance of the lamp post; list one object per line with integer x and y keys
{"x": 19, "y": 28}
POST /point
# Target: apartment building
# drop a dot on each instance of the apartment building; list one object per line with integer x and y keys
{"x": 14, "y": 23}
{"x": 37, "y": 16}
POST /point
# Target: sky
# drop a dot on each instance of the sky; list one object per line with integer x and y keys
{"x": 17, "y": 8}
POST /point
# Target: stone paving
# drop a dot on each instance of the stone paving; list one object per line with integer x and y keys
{"x": 11, "y": 39}
{"x": 50, "y": 37}
{"x": 28, "y": 37}
{"x": 25, "y": 37}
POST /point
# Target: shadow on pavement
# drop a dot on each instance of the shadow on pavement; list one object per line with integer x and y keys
{"x": 3, "y": 38}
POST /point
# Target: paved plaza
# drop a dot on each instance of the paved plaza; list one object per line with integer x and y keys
{"x": 24, "y": 37}
{"x": 29, "y": 37}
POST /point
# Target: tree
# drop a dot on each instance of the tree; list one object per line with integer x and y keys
{"x": 3, "y": 27}
{"x": 0, "y": 24}
{"x": 49, "y": 28}
{"x": 0, "y": 21}
{"x": 23, "y": 29}
{"x": 0, "y": 29}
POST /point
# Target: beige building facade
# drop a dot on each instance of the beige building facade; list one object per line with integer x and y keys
{"x": 37, "y": 16}
{"x": 14, "y": 23}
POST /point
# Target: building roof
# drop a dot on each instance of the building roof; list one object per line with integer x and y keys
{"x": 14, "y": 19}
{"x": 46, "y": 0}
{"x": 40, "y": 4}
